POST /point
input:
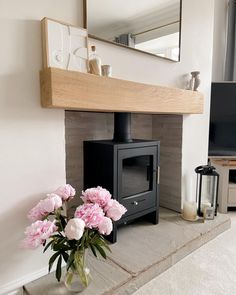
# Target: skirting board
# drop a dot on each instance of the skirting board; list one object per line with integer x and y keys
{"x": 19, "y": 291}
{"x": 19, "y": 283}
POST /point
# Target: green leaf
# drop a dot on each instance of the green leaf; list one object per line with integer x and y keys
{"x": 58, "y": 270}
{"x": 84, "y": 239}
{"x": 95, "y": 238}
{"x": 56, "y": 236}
{"x": 65, "y": 256}
{"x": 70, "y": 260}
{"x": 52, "y": 259}
{"x": 63, "y": 222}
{"x": 58, "y": 245}
{"x": 103, "y": 243}
{"x": 47, "y": 246}
{"x": 72, "y": 244}
{"x": 101, "y": 251}
{"x": 93, "y": 250}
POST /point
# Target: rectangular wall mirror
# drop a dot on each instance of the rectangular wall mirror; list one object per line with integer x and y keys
{"x": 150, "y": 26}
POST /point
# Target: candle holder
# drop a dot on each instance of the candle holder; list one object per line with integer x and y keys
{"x": 106, "y": 70}
{"x": 189, "y": 211}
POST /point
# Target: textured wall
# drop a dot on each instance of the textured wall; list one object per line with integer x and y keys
{"x": 168, "y": 129}
{"x": 82, "y": 126}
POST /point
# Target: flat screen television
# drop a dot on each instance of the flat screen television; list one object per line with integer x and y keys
{"x": 222, "y": 135}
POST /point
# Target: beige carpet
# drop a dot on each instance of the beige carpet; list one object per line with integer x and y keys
{"x": 210, "y": 270}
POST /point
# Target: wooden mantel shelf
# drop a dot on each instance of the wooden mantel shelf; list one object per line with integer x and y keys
{"x": 85, "y": 92}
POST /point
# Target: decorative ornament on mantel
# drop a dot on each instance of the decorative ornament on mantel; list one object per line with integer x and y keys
{"x": 95, "y": 62}
{"x": 64, "y": 46}
{"x": 69, "y": 238}
{"x": 194, "y": 81}
{"x": 107, "y": 70}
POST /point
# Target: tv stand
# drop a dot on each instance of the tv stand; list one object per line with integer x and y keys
{"x": 226, "y": 167}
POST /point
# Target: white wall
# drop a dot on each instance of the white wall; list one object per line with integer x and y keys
{"x": 32, "y": 139}
{"x": 32, "y": 145}
{"x": 219, "y": 45}
{"x": 197, "y": 51}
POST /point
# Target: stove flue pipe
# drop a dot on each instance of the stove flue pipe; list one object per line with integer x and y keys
{"x": 122, "y": 127}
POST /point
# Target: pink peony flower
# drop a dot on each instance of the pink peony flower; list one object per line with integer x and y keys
{"x": 35, "y": 213}
{"x": 114, "y": 210}
{"x": 44, "y": 207}
{"x": 105, "y": 226}
{"x": 74, "y": 229}
{"x": 37, "y": 233}
{"x": 91, "y": 214}
{"x": 97, "y": 195}
{"x": 51, "y": 203}
{"x": 66, "y": 192}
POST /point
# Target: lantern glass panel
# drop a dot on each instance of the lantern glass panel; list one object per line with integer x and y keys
{"x": 208, "y": 191}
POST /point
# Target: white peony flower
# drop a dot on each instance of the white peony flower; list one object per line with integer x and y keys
{"x": 74, "y": 229}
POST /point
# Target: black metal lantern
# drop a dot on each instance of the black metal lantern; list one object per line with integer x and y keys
{"x": 207, "y": 191}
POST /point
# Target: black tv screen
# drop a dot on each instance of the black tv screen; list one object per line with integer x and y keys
{"x": 222, "y": 137}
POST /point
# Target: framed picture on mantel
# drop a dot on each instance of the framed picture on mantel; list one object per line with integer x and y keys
{"x": 64, "y": 46}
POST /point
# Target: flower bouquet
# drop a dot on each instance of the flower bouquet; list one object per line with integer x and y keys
{"x": 69, "y": 238}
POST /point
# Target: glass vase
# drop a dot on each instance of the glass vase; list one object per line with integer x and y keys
{"x": 78, "y": 277}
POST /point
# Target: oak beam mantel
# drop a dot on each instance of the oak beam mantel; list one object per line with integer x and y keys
{"x": 71, "y": 90}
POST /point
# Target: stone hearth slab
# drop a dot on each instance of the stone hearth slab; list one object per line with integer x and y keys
{"x": 198, "y": 226}
{"x": 142, "y": 252}
{"x": 141, "y": 245}
{"x": 105, "y": 276}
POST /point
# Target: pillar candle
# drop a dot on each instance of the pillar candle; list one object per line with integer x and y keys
{"x": 189, "y": 210}
{"x": 204, "y": 205}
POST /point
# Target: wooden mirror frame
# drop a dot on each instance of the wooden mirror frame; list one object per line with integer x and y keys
{"x": 85, "y": 23}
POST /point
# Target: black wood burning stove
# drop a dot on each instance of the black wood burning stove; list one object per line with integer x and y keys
{"x": 128, "y": 168}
